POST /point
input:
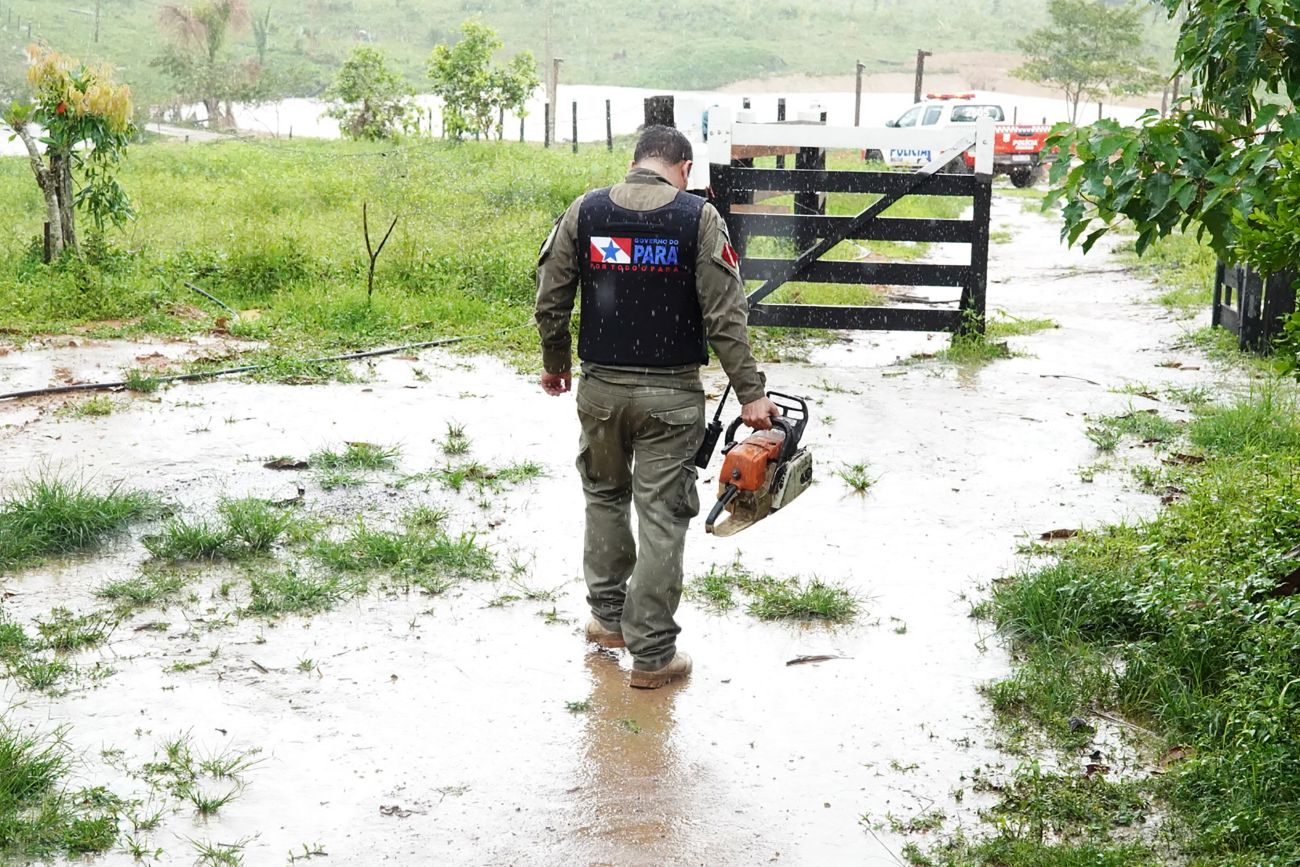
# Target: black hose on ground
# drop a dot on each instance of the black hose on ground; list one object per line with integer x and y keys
{"x": 229, "y": 371}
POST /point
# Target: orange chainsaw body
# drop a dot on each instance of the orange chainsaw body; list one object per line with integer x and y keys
{"x": 747, "y": 462}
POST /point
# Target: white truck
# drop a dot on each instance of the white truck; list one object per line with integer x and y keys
{"x": 1017, "y": 148}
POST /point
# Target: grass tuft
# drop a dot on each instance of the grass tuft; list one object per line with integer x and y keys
{"x": 273, "y": 594}
{"x": 47, "y": 516}
{"x": 774, "y": 598}
{"x": 242, "y": 528}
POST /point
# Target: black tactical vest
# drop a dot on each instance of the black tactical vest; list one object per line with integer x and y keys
{"x": 639, "y": 303}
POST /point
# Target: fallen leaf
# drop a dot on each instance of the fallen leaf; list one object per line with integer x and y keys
{"x": 286, "y": 464}
{"x": 1095, "y": 768}
{"x": 1190, "y": 460}
{"x": 394, "y": 810}
{"x": 1054, "y": 535}
{"x": 804, "y": 660}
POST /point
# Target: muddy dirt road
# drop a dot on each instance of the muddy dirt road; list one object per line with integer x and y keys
{"x": 434, "y": 730}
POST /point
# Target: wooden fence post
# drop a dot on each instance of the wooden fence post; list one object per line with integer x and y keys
{"x": 609, "y": 126}
{"x": 575, "y": 126}
{"x": 546, "y": 141}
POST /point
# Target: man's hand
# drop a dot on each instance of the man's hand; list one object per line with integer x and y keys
{"x": 556, "y": 384}
{"x": 757, "y": 414}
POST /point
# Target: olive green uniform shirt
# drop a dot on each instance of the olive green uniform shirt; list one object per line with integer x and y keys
{"x": 718, "y": 284}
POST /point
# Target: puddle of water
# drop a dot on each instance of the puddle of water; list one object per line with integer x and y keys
{"x": 454, "y": 712}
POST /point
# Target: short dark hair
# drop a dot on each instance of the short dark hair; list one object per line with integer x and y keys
{"x": 662, "y": 143}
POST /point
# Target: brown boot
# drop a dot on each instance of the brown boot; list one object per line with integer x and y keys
{"x": 677, "y": 669}
{"x": 597, "y": 633}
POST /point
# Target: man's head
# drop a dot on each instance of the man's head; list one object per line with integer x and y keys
{"x": 664, "y": 150}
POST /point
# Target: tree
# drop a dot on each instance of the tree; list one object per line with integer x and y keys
{"x": 377, "y": 103}
{"x": 1090, "y": 49}
{"x": 87, "y": 121}
{"x": 197, "y": 61}
{"x": 1225, "y": 162}
{"x": 474, "y": 90}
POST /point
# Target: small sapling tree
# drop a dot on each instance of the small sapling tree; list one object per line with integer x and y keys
{"x": 1091, "y": 49}
{"x": 375, "y": 102}
{"x": 474, "y": 90}
{"x": 197, "y": 62}
{"x": 86, "y": 118}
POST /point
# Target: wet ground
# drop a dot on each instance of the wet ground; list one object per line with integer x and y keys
{"x": 434, "y": 730}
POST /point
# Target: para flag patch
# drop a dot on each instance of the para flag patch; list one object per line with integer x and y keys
{"x": 726, "y": 256}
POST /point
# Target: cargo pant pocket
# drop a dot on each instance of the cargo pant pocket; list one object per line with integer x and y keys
{"x": 684, "y": 502}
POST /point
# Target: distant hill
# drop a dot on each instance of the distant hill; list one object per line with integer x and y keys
{"x": 679, "y": 44}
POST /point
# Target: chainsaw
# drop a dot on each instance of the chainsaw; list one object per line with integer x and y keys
{"x": 764, "y": 472}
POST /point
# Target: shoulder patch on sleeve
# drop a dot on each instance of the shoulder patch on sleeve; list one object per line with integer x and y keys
{"x": 726, "y": 256}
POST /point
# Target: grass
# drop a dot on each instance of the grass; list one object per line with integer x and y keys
{"x": 96, "y": 406}
{"x": 275, "y": 593}
{"x": 1182, "y": 266}
{"x": 1185, "y": 625}
{"x": 456, "y": 442}
{"x": 774, "y": 598}
{"x": 357, "y": 457}
{"x": 857, "y": 476}
{"x": 307, "y": 43}
{"x": 46, "y": 516}
{"x": 421, "y": 551}
{"x": 39, "y": 817}
{"x": 241, "y": 528}
{"x": 276, "y": 227}
{"x": 1146, "y": 426}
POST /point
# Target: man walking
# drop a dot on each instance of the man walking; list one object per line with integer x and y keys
{"x": 660, "y": 282}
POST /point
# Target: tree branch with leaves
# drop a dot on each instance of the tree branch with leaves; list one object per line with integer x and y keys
{"x": 86, "y": 121}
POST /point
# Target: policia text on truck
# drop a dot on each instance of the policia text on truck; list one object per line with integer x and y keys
{"x": 660, "y": 283}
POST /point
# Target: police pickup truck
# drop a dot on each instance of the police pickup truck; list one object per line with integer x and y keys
{"x": 1017, "y": 148}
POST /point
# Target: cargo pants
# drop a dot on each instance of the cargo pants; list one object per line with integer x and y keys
{"x": 637, "y": 448}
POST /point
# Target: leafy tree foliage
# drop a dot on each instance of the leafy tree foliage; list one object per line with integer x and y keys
{"x": 474, "y": 90}
{"x": 1224, "y": 162}
{"x": 86, "y": 118}
{"x": 376, "y": 102}
{"x": 198, "y": 63}
{"x": 1090, "y": 49}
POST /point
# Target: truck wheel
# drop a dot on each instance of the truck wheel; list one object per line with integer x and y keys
{"x": 1023, "y": 178}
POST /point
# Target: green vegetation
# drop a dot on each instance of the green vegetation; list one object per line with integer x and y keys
{"x": 39, "y": 817}
{"x": 357, "y": 456}
{"x": 301, "y": 45}
{"x": 376, "y": 104}
{"x": 277, "y": 592}
{"x": 422, "y": 552}
{"x": 1185, "y": 625}
{"x": 774, "y": 598}
{"x": 1183, "y": 268}
{"x": 47, "y": 516}
{"x": 275, "y": 227}
{"x": 857, "y": 476}
{"x": 92, "y": 407}
{"x": 1146, "y": 426}
{"x": 475, "y": 92}
{"x": 1089, "y": 50}
{"x": 241, "y": 528}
